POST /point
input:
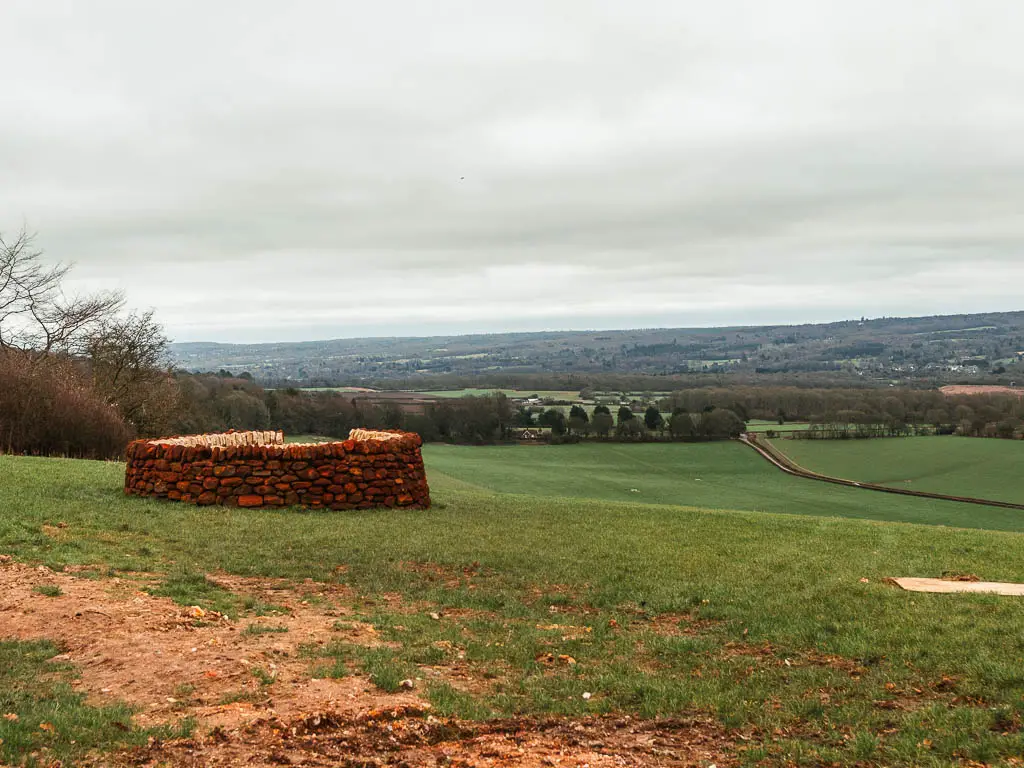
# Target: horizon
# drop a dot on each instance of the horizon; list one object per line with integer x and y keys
{"x": 731, "y": 326}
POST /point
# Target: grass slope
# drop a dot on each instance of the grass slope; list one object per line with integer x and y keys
{"x": 959, "y": 466}
{"x": 720, "y": 475}
{"x": 938, "y": 676}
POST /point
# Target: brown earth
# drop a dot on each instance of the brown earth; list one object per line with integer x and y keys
{"x": 408, "y": 737}
{"x": 980, "y": 389}
{"x": 174, "y": 662}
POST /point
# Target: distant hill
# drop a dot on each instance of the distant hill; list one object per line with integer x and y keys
{"x": 944, "y": 347}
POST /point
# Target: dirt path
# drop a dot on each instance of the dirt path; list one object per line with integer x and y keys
{"x": 174, "y": 662}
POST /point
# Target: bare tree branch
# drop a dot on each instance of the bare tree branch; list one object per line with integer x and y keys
{"x": 35, "y": 315}
{"x": 131, "y": 368}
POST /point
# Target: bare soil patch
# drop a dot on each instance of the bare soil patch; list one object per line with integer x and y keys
{"x": 407, "y": 737}
{"x": 980, "y": 389}
{"x": 768, "y": 655}
{"x": 174, "y": 662}
{"x": 450, "y": 576}
{"x": 673, "y": 624}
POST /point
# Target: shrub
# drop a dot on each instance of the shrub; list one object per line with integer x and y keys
{"x": 48, "y": 408}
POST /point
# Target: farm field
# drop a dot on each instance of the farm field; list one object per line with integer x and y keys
{"x": 498, "y": 609}
{"x": 719, "y": 475}
{"x": 345, "y": 390}
{"x": 758, "y": 425}
{"x": 542, "y": 393}
{"x": 959, "y": 466}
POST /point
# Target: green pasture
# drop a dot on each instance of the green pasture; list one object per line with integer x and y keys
{"x": 759, "y": 425}
{"x": 343, "y": 390}
{"x": 554, "y": 394}
{"x": 718, "y": 475}
{"x": 308, "y": 439}
{"x": 786, "y": 633}
{"x": 959, "y": 466}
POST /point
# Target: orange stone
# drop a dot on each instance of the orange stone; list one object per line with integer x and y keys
{"x": 250, "y": 501}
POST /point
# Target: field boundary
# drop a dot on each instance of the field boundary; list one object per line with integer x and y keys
{"x": 787, "y": 465}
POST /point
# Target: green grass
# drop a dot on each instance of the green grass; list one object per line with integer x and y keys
{"x": 719, "y": 475}
{"x": 308, "y": 439}
{"x": 958, "y": 466}
{"x": 48, "y": 590}
{"x": 788, "y": 584}
{"x": 554, "y": 394}
{"x": 189, "y": 587}
{"x": 758, "y": 425}
{"x": 42, "y": 720}
{"x": 254, "y": 630}
{"x": 386, "y": 667}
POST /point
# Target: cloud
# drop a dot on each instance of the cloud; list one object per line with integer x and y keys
{"x": 259, "y": 171}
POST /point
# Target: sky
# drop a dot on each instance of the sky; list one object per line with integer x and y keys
{"x": 267, "y": 171}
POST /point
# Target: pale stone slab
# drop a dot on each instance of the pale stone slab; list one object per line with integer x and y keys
{"x": 941, "y": 585}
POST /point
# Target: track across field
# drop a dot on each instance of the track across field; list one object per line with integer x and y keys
{"x": 954, "y": 466}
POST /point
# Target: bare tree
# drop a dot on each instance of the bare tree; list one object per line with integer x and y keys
{"x": 36, "y": 317}
{"x": 131, "y": 370}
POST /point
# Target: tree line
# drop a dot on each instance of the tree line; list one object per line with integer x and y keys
{"x": 865, "y": 412}
{"x": 219, "y": 401}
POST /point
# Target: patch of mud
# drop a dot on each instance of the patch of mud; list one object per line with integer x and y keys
{"x": 449, "y": 575}
{"x": 405, "y": 736}
{"x": 673, "y": 624}
{"x": 767, "y": 654}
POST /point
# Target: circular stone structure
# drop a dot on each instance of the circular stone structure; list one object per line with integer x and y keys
{"x": 258, "y": 469}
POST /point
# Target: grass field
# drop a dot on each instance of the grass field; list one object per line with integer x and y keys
{"x": 958, "y": 466}
{"x": 720, "y": 475}
{"x": 308, "y": 439}
{"x": 555, "y": 394}
{"x": 762, "y": 620}
{"x": 758, "y": 425}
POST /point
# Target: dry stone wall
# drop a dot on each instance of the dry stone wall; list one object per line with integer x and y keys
{"x": 257, "y": 469}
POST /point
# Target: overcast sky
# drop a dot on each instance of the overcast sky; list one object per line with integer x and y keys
{"x": 260, "y": 171}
